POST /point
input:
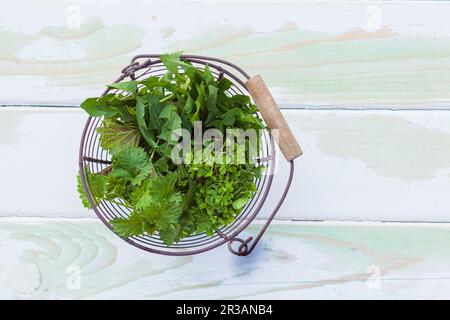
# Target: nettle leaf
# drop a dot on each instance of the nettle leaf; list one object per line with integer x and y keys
{"x": 160, "y": 205}
{"x": 116, "y": 136}
{"x": 173, "y": 122}
{"x": 132, "y": 164}
{"x": 97, "y": 185}
{"x": 127, "y": 227}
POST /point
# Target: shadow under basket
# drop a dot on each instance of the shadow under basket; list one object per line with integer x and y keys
{"x": 96, "y": 159}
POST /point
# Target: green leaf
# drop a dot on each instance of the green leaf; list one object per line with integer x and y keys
{"x": 161, "y": 165}
{"x": 173, "y": 122}
{"x": 128, "y": 86}
{"x": 98, "y": 107}
{"x": 116, "y": 136}
{"x": 208, "y": 78}
{"x": 132, "y": 165}
{"x": 189, "y": 105}
{"x": 172, "y": 62}
{"x": 150, "y": 82}
{"x": 127, "y": 227}
{"x": 240, "y": 99}
{"x": 96, "y": 184}
{"x": 199, "y": 102}
{"x": 224, "y": 84}
{"x": 165, "y": 149}
{"x": 155, "y": 107}
{"x": 159, "y": 204}
{"x": 229, "y": 117}
{"x": 143, "y": 128}
{"x": 240, "y": 203}
{"x": 211, "y": 103}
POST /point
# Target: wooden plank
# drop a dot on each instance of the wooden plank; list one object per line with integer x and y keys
{"x": 311, "y": 54}
{"x": 80, "y": 258}
{"x": 357, "y": 165}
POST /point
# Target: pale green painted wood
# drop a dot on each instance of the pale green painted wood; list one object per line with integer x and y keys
{"x": 296, "y": 260}
{"x": 311, "y": 54}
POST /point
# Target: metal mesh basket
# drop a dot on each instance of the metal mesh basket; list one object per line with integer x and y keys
{"x": 93, "y": 157}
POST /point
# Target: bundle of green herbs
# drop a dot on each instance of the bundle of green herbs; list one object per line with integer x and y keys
{"x": 173, "y": 185}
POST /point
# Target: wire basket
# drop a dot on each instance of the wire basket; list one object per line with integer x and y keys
{"x": 93, "y": 157}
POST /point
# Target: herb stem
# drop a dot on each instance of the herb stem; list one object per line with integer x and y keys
{"x": 167, "y": 98}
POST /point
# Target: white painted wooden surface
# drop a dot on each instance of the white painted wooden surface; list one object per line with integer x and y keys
{"x": 366, "y": 164}
{"x": 350, "y": 64}
{"x": 358, "y": 165}
{"x": 80, "y": 258}
{"x": 346, "y": 54}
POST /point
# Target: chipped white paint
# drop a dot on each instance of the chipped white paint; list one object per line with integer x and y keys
{"x": 358, "y": 165}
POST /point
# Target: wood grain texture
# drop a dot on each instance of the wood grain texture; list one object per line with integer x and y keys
{"x": 311, "y": 54}
{"x": 358, "y": 165}
{"x": 81, "y": 259}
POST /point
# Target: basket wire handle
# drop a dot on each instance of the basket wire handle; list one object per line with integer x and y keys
{"x": 288, "y": 145}
{"x": 244, "y": 249}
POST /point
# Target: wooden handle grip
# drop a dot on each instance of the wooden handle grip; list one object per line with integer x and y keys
{"x": 273, "y": 117}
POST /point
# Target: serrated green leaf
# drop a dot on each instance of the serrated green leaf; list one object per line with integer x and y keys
{"x": 127, "y": 227}
{"x": 116, "y": 136}
{"x": 132, "y": 165}
{"x": 96, "y": 186}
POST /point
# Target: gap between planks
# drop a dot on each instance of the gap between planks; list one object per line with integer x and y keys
{"x": 48, "y": 107}
{"x": 292, "y": 222}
